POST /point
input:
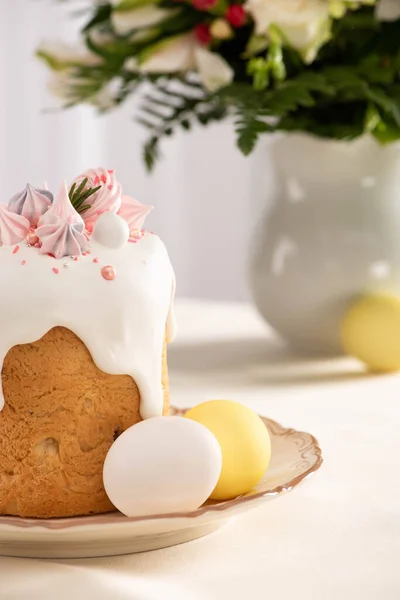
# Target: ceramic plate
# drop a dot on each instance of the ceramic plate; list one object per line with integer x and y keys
{"x": 295, "y": 455}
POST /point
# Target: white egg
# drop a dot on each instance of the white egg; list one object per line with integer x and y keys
{"x": 162, "y": 465}
{"x": 111, "y": 230}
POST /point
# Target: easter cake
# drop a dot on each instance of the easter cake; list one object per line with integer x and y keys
{"x": 85, "y": 318}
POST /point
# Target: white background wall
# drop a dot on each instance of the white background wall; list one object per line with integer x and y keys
{"x": 207, "y": 197}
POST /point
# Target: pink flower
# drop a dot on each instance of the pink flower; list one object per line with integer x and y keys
{"x": 204, "y": 4}
{"x": 202, "y": 33}
{"x": 236, "y": 15}
{"x": 133, "y": 212}
{"x": 107, "y": 198}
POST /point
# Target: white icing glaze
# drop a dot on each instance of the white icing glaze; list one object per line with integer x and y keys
{"x": 171, "y": 321}
{"x": 122, "y": 322}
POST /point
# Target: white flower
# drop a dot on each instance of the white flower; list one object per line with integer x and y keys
{"x": 148, "y": 15}
{"x": 67, "y": 88}
{"x": 304, "y": 24}
{"x": 172, "y": 55}
{"x": 105, "y": 98}
{"x": 183, "y": 53}
{"x": 388, "y": 10}
{"x": 62, "y": 85}
{"x": 214, "y": 71}
{"x": 63, "y": 56}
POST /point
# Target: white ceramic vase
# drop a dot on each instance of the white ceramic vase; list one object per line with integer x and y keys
{"x": 331, "y": 234}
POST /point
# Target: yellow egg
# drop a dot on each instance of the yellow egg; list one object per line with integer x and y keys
{"x": 370, "y": 331}
{"x": 244, "y": 441}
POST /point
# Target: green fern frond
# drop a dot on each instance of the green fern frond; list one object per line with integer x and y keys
{"x": 168, "y": 108}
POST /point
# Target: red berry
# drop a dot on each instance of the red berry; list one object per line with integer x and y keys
{"x": 202, "y": 33}
{"x": 236, "y": 15}
{"x": 204, "y": 4}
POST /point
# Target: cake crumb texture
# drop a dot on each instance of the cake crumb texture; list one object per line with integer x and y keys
{"x": 61, "y": 416}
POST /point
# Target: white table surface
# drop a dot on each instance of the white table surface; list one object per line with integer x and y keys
{"x": 337, "y": 536}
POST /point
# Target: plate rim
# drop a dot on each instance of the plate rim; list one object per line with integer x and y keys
{"x": 115, "y": 517}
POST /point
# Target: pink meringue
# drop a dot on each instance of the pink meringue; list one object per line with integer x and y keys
{"x": 61, "y": 228}
{"x": 13, "y": 227}
{"x": 134, "y": 212}
{"x": 31, "y": 203}
{"x": 107, "y": 198}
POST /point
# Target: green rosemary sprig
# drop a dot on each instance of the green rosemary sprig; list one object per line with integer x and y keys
{"x": 78, "y": 195}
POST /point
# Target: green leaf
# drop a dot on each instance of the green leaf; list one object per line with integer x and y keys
{"x": 79, "y": 195}
{"x": 102, "y": 14}
{"x": 372, "y": 118}
{"x": 387, "y": 103}
{"x": 248, "y": 129}
{"x": 81, "y": 186}
{"x": 255, "y": 45}
{"x": 151, "y": 152}
{"x": 387, "y": 131}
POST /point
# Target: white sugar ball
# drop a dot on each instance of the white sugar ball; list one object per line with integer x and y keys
{"x": 162, "y": 465}
{"x": 111, "y": 230}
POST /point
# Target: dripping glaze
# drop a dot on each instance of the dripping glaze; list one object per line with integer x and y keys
{"x": 123, "y": 322}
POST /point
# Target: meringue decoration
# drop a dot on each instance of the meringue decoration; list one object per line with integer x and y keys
{"x": 107, "y": 198}
{"x": 31, "y": 203}
{"x": 13, "y": 227}
{"x": 134, "y": 212}
{"x": 61, "y": 228}
{"x": 111, "y": 230}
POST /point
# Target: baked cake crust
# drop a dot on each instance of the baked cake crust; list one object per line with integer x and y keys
{"x": 61, "y": 416}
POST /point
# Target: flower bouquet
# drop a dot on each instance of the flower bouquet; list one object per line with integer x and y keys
{"x": 330, "y": 68}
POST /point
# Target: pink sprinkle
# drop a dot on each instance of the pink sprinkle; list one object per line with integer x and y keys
{"x": 110, "y": 187}
{"x": 32, "y": 238}
{"x": 108, "y": 272}
{"x": 96, "y": 260}
{"x": 23, "y": 262}
{"x": 37, "y": 245}
{"x": 89, "y": 227}
{"x": 56, "y": 271}
{"x": 50, "y": 254}
{"x": 84, "y": 253}
{"x": 75, "y": 258}
{"x": 152, "y": 233}
{"x": 88, "y": 252}
{"x": 111, "y": 171}
{"x": 103, "y": 178}
{"x": 15, "y": 249}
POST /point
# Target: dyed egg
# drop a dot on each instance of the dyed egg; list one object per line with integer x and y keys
{"x": 370, "y": 331}
{"x": 244, "y": 441}
{"x": 162, "y": 465}
{"x": 111, "y": 230}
